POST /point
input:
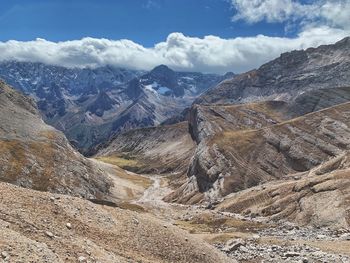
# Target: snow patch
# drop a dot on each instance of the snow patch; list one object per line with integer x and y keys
{"x": 157, "y": 89}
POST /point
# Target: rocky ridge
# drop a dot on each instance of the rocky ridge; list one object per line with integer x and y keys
{"x": 288, "y": 76}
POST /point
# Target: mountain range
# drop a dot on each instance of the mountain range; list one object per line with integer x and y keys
{"x": 91, "y": 105}
{"x": 271, "y": 124}
{"x": 177, "y": 166}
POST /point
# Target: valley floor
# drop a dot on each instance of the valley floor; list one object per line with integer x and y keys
{"x": 245, "y": 239}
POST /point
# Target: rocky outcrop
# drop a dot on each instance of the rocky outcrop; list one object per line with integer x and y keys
{"x": 35, "y": 155}
{"x": 287, "y": 76}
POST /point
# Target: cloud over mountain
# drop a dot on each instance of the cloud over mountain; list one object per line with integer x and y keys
{"x": 320, "y": 22}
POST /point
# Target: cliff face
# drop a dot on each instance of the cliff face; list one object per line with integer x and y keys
{"x": 35, "y": 155}
{"x": 245, "y": 145}
{"x": 287, "y": 76}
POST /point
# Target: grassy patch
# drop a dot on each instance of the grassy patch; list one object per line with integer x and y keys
{"x": 211, "y": 224}
{"x": 122, "y": 162}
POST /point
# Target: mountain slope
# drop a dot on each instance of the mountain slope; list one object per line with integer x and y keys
{"x": 287, "y": 76}
{"x": 42, "y": 227}
{"x": 159, "y": 149}
{"x": 233, "y": 159}
{"x": 35, "y": 155}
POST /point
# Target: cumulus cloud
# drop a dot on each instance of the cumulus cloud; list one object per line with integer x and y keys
{"x": 324, "y": 12}
{"x": 254, "y": 11}
{"x": 208, "y": 54}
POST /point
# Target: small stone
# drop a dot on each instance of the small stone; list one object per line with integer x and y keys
{"x": 165, "y": 226}
{"x": 135, "y": 221}
{"x": 69, "y": 225}
{"x": 49, "y": 234}
{"x": 345, "y": 236}
{"x": 291, "y": 254}
{"x": 82, "y": 259}
{"x": 244, "y": 249}
{"x": 233, "y": 245}
{"x": 52, "y": 198}
{"x": 4, "y": 255}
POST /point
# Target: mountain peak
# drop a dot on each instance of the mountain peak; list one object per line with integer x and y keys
{"x": 162, "y": 69}
{"x": 345, "y": 42}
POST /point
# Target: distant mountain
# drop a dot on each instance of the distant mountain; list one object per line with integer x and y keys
{"x": 90, "y": 105}
{"x": 37, "y": 156}
{"x": 288, "y": 76}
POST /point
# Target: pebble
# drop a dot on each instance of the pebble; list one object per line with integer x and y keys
{"x": 291, "y": 254}
{"x": 69, "y": 225}
{"x": 4, "y": 255}
{"x": 82, "y": 259}
{"x": 49, "y": 234}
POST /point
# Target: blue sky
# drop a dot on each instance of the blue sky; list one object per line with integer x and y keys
{"x": 144, "y": 21}
{"x": 189, "y": 35}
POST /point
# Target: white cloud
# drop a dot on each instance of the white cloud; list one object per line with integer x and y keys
{"x": 336, "y": 13}
{"x": 322, "y": 12}
{"x": 208, "y": 54}
{"x": 254, "y": 11}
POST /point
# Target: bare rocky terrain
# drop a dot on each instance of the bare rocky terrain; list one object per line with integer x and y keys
{"x": 258, "y": 171}
{"x": 232, "y": 160}
{"x": 42, "y": 227}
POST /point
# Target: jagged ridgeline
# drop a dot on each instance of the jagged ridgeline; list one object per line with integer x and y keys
{"x": 91, "y": 105}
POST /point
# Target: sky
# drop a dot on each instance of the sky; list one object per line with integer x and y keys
{"x": 189, "y": 35}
